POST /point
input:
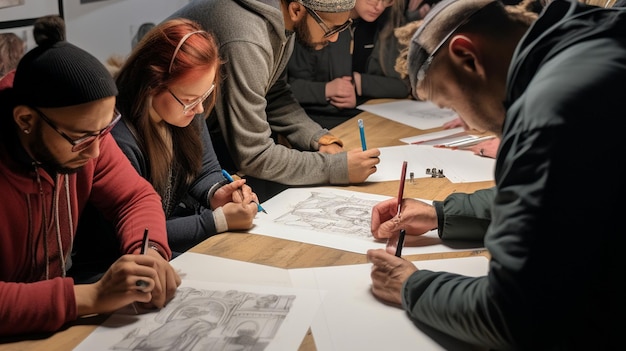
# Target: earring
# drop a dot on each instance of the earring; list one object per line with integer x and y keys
{"x": 26, "y": 131}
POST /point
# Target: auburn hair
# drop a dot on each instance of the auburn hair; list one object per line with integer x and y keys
{"x": 164, "y": 54}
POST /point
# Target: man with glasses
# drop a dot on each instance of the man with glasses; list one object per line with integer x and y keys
{"x": 554, "y": 237}
{"x": 56, "y": 154}
{"x": 330, "y": 83}
{"x": 257, "y": 127}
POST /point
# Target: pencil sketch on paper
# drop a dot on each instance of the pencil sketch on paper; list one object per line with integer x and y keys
{"x": 331, "y": 213}
{"x": 208, "y": 320}
{"x": 430, "y": 113}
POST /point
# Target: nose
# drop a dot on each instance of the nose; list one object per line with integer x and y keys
{"x": 93, "y": 150}
{"x": 199, "y": 108}
{"x": 333, "y": 38}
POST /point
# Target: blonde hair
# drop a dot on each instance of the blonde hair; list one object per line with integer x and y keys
{"x": 11, "y": 51}
{"x": 114, "y": 63}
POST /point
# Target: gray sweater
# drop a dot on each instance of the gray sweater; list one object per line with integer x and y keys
{"x": 255, "y": 101}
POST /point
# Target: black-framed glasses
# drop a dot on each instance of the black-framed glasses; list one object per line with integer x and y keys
{"x": 328, "y": 31}
{"x": 86, "y": 141}
{"x": 194, "y": 103}
{"x": 427, "y": 61}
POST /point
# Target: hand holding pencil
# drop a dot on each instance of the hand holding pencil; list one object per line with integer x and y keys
{"x": 417, "y": 218}
{"x": 145, "y": 278}
{"x": 244, "y": 191}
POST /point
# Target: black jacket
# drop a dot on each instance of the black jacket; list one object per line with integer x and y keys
{"x": 555, "y": 237}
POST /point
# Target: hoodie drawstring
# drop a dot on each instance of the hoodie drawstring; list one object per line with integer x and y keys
{"x": 55, "y": 213}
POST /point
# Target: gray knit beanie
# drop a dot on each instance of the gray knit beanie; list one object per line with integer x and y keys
{"x": 61, "y": 74}
{"x": 329, "y": 5}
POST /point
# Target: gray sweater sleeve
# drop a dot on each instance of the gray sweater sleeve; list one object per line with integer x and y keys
{"x": 252, "y": 111}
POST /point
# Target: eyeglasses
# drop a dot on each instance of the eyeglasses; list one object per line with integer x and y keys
{"x": 194, "y": 103}
{"x": 385, "y": 3}
{"x": 423, "y": 68}
{"x": 86, "y": 141}
{"x": 328, "y": 32}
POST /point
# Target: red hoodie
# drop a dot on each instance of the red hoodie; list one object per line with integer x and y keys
{"x": 34, "y": 297}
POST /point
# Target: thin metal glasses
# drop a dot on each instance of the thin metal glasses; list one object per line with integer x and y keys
{"x": 194, "y": 103}
{"x": 86, "y": 141}
{"x": 328, "y": 32}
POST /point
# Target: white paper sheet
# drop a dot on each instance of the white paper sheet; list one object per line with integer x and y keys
{"x": 335, "y": 218}
{"x": 351, "y": 318}
{"x": 459, "y": 166}
{"x": 195, "y": 266}
{"x": 417, "y": 114}
{"x": 233, "y": 306}
{"x": 442, "y": 134}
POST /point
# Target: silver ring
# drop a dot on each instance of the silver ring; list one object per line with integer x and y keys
{"x": 481, "y": 152}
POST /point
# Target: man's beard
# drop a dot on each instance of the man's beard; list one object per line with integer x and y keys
{"x": 303, "y": 35}
{"x": 42, "y": 154}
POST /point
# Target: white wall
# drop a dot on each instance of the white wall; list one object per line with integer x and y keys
{"x": 102, "y": 28}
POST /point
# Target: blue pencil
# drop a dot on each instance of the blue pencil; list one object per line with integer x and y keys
{"x": 230, "y": 180}
{"x": 362, "y": 131}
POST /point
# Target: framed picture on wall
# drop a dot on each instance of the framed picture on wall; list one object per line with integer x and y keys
{"x": 18, "y": 16}
{"x": 9, "y": 3}
{"x": 21, "y": 13}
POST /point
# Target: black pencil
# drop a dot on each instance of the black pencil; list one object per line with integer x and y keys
{"x": 400, "y": 243}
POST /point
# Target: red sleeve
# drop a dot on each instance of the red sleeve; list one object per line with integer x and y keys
{"x": 130, "y": 200}
{"x": 36, "y": 307}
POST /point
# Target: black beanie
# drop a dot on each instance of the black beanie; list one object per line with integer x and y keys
{"x": 61, "y": 74}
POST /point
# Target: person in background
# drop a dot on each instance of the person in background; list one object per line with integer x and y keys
{"x": 143, "y": 29}
{"x": 330, "y": 83}
{"x": 46, "y": 28}
{"x": 417, "y": 9}
{"x": 258, "y": 128}
{"x": 554, "y": 256}
{"x": 50, "y": 27}
{"x": 11, "y": 51}
{"x": 55, "y": 155}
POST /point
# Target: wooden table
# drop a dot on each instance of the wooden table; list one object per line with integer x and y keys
{"x": 282, "y": 253}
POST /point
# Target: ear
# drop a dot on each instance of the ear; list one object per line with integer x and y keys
{"x": 466, "y": 54}
{"x": 23, "y": 117}
{"x": 295, "y": 11}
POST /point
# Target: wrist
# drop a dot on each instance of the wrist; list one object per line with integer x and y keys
{"x": 83, "y": 296}
{"x": 156, "y": 247}
{"x": 329, "y": 139}
{"x": 356, "y": 79}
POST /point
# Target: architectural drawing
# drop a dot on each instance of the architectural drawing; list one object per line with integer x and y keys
{"x": 331, "y": 213}
{"x": 430, "y": 113}
{"x": 340, "y": 219}
{"x": 211, "y": 320}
